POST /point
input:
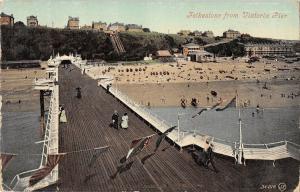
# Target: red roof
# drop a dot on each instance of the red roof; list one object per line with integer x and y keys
{"x": 163, "y": 53}
{"x": 5, "y": 15}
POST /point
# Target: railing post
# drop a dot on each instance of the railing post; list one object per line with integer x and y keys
{"x": 234, "y": 152}
{"x": 240, "y": 154}
{"x": 178, "y": 132}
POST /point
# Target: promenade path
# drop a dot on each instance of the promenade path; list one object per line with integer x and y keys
{"x": 167, "y": 170}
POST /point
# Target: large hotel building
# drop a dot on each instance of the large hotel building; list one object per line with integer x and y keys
{"x": 269, "y": 49}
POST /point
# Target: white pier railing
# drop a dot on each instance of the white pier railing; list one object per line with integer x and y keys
{"x": 269, "y": 151}
{"x": 50, "y": 143}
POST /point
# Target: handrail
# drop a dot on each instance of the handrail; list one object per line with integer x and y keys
{"x": 267, "y": 143}
{"x": 14, "y": 180}
{"x": 268, "y": 148}
{"x": 20, "y": 175}
{"x": 49, "y": 123}
{"x": 125, "y": 97}
{"x": 292, "y": 143}
{"x": 7, "y": 187}
{"x": 45, "y": 145}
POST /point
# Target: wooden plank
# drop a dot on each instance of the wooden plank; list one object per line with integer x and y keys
{"x": 168, "y": 170}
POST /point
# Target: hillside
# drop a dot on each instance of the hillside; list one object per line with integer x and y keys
{"x": 138, "y": 45}
{"x": 22, "y": 43}
{"x": 236, "y": 46}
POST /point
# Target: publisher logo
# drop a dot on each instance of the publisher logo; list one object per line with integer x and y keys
{"x": 282, "y": 187}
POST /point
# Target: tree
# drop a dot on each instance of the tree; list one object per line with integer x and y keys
{"x": 19, "y": 24}
{"x": 147, "y": 30}
{"x": 191, "y": 34}
{"x": 217, "y": 38}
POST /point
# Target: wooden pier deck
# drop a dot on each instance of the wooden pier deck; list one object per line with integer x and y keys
{"x": 168, "y": 170}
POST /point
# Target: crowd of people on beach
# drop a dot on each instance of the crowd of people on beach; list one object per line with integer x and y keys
{"x": 189, "y": 71}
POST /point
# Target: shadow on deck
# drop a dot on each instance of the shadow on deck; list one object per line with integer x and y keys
{"x": 168, "y": 170}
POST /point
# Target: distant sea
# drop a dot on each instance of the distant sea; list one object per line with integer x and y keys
{"x": 20, "y": 131}
{"x": 267, "y": 126}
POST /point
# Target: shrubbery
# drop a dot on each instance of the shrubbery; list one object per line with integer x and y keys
{"x": 23, "y": 43}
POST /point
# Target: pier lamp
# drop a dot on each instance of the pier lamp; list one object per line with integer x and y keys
{"x": 178, "y": 124}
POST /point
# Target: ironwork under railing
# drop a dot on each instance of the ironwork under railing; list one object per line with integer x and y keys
{"x": 45, "y": 147}
{"x": 50, "y": 123}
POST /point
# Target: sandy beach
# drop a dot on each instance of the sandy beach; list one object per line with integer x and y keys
{"x": 20, "y": 119}
{"x": 17, "y": 89}
{"x": 265, "y": 83}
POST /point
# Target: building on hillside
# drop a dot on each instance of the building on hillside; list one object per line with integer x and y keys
{"x": 245, "y": 35}
{"x": 201, "y": 56}
{"x": 184, "y": 32}
{"x": 148, "y": 58}
{"x": 163, "y": 53}
{"x": 175, "y": 50}
{"x": 179, "y": 57}
{"x": 197, "y": 33}
{"x": 99, "y": 26}
{"x": 231, "y": 34}
{"x": 191, "y": 48}
{"x": 164, "y": 56}
{"x": 86, "y": 27}
{"x": 117, "y": 27}
{"x": 32, "y": 21}
{"x": 20, "y": 64}
{"x": 134, "y": 28}
{"x": 209, "y": 34}
{"x": 73, "y": 23}
{"x": 269, "y": 50}
{"x": 6, "y": 19}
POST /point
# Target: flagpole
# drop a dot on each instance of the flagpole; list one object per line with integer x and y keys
{"x": 240, "y": 130}
{"x": 178, "y": 132}
{"x": 241, "y": 145}
{"x": 116, "y": 86}
{"x": 1, "y": 180}
{"x": 194, "y": 129}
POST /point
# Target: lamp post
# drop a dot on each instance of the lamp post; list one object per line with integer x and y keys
{"x": 116, "y": 82}
{"x": 178, "y": 132}
{"x": 241, "y": 140}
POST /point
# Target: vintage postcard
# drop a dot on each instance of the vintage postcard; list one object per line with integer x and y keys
{"x": 160, "y": 95}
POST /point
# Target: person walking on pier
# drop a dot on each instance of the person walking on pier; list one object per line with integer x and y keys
{"x": 124, "y": 123}
{"x": 78, "y": 92}
{"x": 115, "y": 120}
{"x": 210, "y": 158}
{"x": 107, "y": 88}
{"x": 62, "y": 115}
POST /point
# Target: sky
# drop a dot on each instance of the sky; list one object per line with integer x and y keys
{"x": 262, "y": 18}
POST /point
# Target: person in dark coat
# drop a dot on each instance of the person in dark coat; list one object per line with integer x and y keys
{"x": 115, "y": 120}
{"x": 200, "y": 157}
{"x": 78, "y": 92}
{"x": 107, "y": 88}
{"x": 210, "y": 158}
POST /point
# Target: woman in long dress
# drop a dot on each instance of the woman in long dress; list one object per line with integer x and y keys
{"x": 62, "y": 116}
{"x": 124, "y": 123}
